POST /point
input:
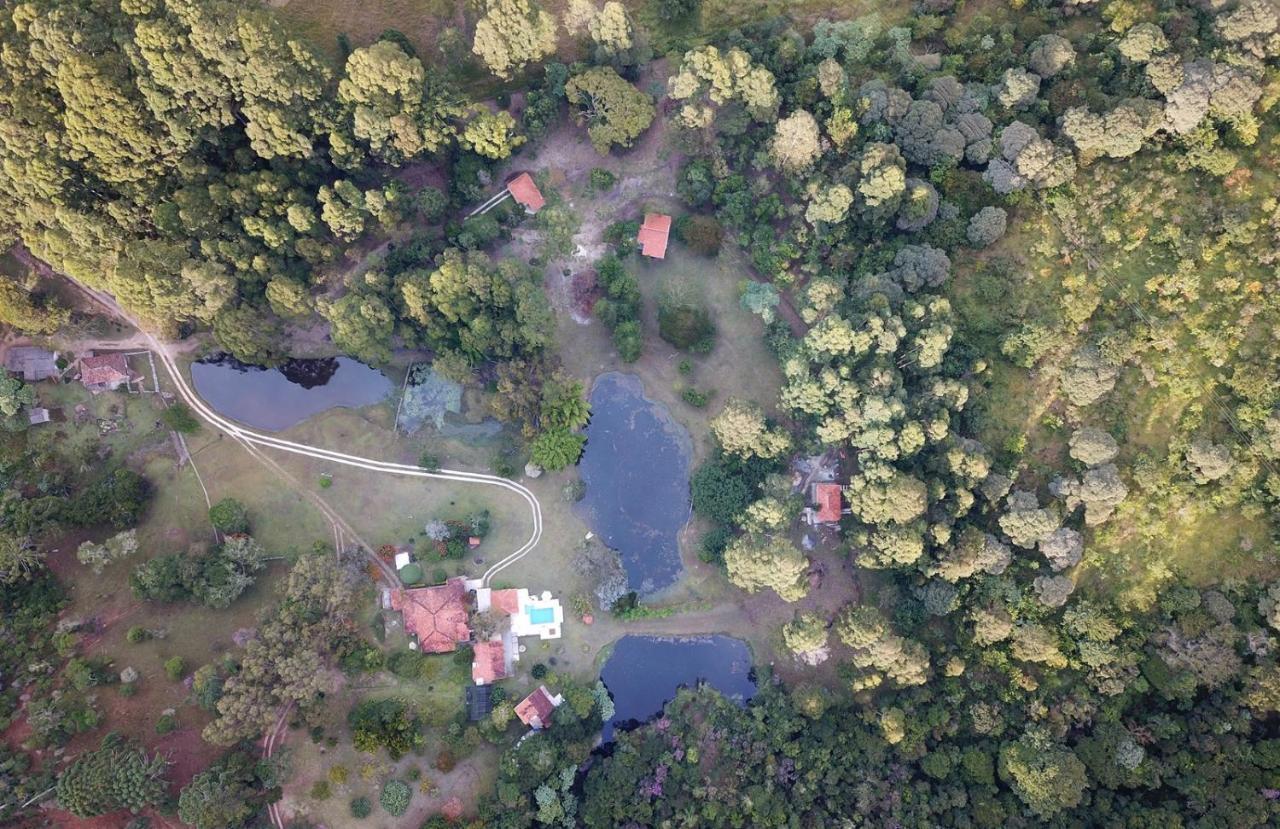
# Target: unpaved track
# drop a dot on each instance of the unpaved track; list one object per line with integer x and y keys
{"x": 249, "y": 436}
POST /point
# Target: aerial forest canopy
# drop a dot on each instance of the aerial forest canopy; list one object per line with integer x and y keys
{"x": 197, "y": 161}
{"x": 1019, "y": 268}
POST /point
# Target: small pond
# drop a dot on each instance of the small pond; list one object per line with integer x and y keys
{"x": 643, "y": 673}
{"x": 277, "y": 398}
{"x": 636, "y": 471}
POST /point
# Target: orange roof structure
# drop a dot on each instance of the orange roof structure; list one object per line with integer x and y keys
{"x": 104, "y": 370}
{"x": 489, "y": 662}
{"x": 523, "y": 190}
{"x": 653, "y": 235}
{"x": 827, "y": 497}
{"x": 436, "y": 615}
{"x": 505, "y": 601}
{"x": 535, "y": 710}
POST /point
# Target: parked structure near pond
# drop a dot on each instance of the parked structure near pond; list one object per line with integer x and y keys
{"x": 654, "y": 234}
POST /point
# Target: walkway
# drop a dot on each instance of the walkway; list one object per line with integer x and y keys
{"x": 257, "y": 440}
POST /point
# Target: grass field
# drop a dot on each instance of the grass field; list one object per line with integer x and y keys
{"x": 1176, "y": 312}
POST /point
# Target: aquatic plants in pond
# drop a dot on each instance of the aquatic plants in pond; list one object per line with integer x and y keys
{"x": 643, "y": 673}
{"x": 636, "y": 472}
{"x": 277, "y": 398}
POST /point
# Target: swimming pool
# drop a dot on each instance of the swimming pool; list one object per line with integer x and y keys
{"x": 541, "y": 615}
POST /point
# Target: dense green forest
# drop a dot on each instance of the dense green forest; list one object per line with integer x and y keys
{"x": 1018, "y": 264}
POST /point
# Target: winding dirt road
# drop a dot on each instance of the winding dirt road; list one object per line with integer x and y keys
{"x": 199, "y": 407}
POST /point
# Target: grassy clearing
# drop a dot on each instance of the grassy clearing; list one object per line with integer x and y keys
{"x": 1181, "y": 309}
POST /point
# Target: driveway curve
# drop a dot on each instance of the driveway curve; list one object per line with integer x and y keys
{"x": 239, "y": 432}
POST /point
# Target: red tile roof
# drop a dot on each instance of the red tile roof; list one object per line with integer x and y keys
{"x": 828, "y": 499}
{"x": 104, "y": 369}
{"x": 535, "y": 710}
{"x": 505, "y": 601}
{"x": 489, "y": 662}
{"x": 436, "y": 615}
{"x": 523, "y": 190}
{"x": 653, "y": 235}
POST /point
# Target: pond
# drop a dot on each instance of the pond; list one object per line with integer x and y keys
{"x": 277, "y": 398}
{"x": 643, "y": 673}
{"x": 636, "y": 471}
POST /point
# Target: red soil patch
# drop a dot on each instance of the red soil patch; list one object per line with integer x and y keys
{"x": 585, "y": 291}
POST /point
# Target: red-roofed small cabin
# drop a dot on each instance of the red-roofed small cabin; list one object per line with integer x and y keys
{"x": 653, "y": 235}
{"x": 536, "y": 709}
{"x": 489, "y": 662}
{"x": 827, "y": 498}
{"x": 524, "y": 191}
{"x": 437, "y": 616}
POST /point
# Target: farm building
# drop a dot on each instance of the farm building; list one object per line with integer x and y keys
{"x": 106, "y": 372}
{"x": 32, "y": 364}
{"x": 523, "y": 189}
{"x": 653, "y": 235}
{"x": 828, "y": 503}
{"x": 536, "y": 709}
{"x": 491, "y": 661}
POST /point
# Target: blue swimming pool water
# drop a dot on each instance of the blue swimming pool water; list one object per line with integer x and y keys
{"x": 541, "y": 615}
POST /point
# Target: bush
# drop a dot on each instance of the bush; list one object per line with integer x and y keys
{"x": 718, "y": 493}
{"x": 137, "y": 634}
{"x": 602, "y": 179}
{"x": 361, "y": 807}
{"x": 395, "y": 798}
{"x": 179, "y": 418}
{"x": 703, "y": 234}
{"x": 229, "y": 516}
{"x": 166, "y": 724}
{"x": 429, "y": 462}
{"x": 538, "y": 671}
{"x": 685, "y": 324}
{"x": 320, "y": 790}
{"x": 174, "y": 668}
{"x": 431, "y": 204}
{"x": 695, "y": 398}
{"x": 411, "y": 573}
{"x": 445, "y": 761}
{"x": 628, "y": 340}
{"x": 713, "y": 545}
{"x": 406, "y": 664}
{"x": 622, "y": 235}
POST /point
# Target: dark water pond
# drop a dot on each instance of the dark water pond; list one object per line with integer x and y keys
{"x": 643, "y": 673}
{"x": 636, "y": 471}
{"x": 277, "y": 398}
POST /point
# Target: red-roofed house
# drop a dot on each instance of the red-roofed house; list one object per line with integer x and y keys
{"x": 524, "y": 191}
{"x": 437, "y": 616}
{"x": 827, "y": 498}
{"x": 505, "y": 601}
{"x": 105, "y": 372}
{"x": 489, "y": 662}
{"x": 653, "y": 235}
{"x": 535, "y": 710}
